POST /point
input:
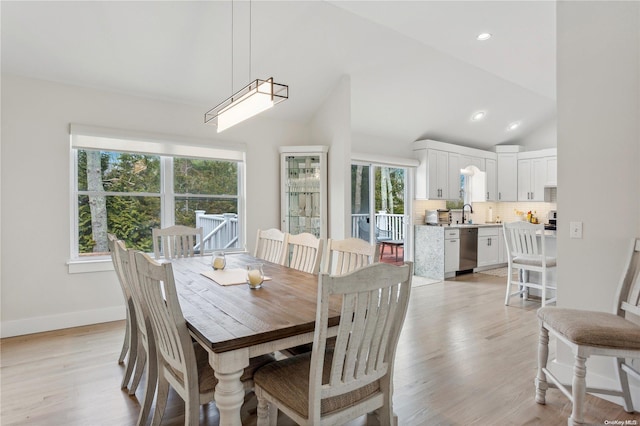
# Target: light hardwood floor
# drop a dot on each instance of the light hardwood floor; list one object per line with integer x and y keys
{"x": 463, "y": 359}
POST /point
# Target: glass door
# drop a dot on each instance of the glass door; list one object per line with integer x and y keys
{"x": 379, "y": 207}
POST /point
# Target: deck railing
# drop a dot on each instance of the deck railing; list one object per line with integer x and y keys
{"x": 388, "y": 226}
{"x": 220, "y": 230}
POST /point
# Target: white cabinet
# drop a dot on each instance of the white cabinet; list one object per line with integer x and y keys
{"x": 491, "y": 169}
{"x": 432, "y": 175}
{"x": 507, "y": 177}
{"x": 552, "y": 171}
{"x": 451, "y": 250}
{"x": 488, "y": 246}
{"x": 532, "y": 176}
{"x": 303, "y": 176}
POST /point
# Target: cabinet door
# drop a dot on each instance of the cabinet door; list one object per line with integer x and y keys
{"x": 552, "y": 171}
{"x": 524, "y": 180}
{"x": 488, "y": 248}
{"x": 538, "y": 178}
{"x": 451, "y": 254}
{"x": 454, "y": 183}
{"x": 507, "y": 177}
{"x": 437, "y": 175}
{"x": 532, "y": 176}
{"x": 303, "y": 205}
{"x": 492, "y": 179}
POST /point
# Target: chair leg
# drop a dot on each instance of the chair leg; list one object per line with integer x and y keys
{"x": 624, "y": 385}
{"x": 141, "y": 362}
{"x": 150, "y": 388}
{"x": 127, "y": 339}
{"x": 543, "y": 356}
{"x": 267, "y": 413}
{"x": 543, "y": 279}
{"x": 579, "y": 390}
{"x": 192, "y": 409}
{"x": 509, "y": 278}
{"x": 133, "y": 357}
{"x": 161, "y": 400}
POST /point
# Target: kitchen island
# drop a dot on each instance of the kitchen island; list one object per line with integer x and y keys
{"x": 437, "y": 249}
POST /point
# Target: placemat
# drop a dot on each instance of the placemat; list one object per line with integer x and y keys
{"x": 229, "y": 276}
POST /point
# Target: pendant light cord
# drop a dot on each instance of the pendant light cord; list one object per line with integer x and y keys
{"x": 232, "y": 47}
{"x": 250, "y": 39}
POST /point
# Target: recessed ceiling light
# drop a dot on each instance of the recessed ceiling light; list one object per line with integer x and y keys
{"x": 478, "y": 116}
{"x": 483, "y": 36}
{"x": 513, "y": 126}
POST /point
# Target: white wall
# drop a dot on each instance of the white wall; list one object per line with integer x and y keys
{"x": 38, "y": 293}
{"x": 331, "y": 126}
{"x": 545, "y": 136}
{"x": 598, "y": 151}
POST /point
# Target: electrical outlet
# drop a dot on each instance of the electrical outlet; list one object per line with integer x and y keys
{"x": 575, "y": 229}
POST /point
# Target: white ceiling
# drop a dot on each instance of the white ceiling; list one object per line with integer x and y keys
{"x": 416, "y": 69}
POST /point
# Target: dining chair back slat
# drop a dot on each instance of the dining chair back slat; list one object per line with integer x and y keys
{"x": 304, "y": 252}
{"x": 270, "y": 245}
{"x": 176, "y": 242}
{"x": 343, "y": 256}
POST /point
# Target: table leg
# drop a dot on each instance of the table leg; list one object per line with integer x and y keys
{"x": 229, "y": 393}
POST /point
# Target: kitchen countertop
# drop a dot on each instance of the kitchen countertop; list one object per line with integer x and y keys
{"x": 547, "y": 232}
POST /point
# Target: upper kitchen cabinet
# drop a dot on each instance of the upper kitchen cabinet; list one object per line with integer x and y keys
{"x": 536, "y": 169}
{"x": 552, "y": 171}
{"x": 438, "y": 176}
{"x": 532, "y": 174}
{"x": 432, "y": 175}
{"x": 507, "y": 176}
{"x": 491, "y": 169}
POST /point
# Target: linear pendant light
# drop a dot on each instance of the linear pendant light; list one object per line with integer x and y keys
{"x": 257, "y": 96}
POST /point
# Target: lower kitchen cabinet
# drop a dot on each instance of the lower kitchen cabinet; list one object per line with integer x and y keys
{"x": 451, "y": 250}
{"x": 488, "y": 246}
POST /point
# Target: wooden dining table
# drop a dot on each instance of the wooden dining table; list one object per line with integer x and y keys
{"x": 235, "y": 323}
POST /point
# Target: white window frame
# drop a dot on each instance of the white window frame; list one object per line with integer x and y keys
{"x": 165, "y": 146}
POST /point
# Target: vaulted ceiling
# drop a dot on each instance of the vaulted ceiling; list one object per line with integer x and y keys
{"x": 416, "y": 68}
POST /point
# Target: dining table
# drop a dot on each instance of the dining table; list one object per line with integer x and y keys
{"x": 235, "y": 322}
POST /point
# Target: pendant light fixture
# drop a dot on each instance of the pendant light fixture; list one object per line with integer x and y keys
{"x": 255, "y": 97}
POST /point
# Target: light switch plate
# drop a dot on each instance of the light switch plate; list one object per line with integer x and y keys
{"x": 575, "y": 229}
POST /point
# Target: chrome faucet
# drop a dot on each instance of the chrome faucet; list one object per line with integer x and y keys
{"x": 470, "y": 211}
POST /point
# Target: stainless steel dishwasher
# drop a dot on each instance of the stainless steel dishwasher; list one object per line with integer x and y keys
{"x": 468, "y": 248}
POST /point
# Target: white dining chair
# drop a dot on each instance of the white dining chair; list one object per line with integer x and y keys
{"x": 146, "y": 358}
{"x": 526, "y": 252}
{"x": 130, "y": 344}
{"x": 270, "y": 245}
{"x": 342, "y": 256}
{"x": 588, "y": 333}
{"x": 177, "y": 241}
{"x": 303, "y": 252}
{"x": 355, "y": 377}
{"x": 182, "y": 363}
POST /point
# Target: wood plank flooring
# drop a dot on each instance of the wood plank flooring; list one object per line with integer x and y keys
{"x": 463, "y": 359}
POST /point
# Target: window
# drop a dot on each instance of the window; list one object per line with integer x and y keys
{"x": 128, "y": 193}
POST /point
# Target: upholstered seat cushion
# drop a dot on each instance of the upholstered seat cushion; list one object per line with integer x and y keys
{"x": 590, "y": 328}
{"x": 288, "y": 381}
{"x": 534, "y": 261}
{"x": 207, "y": 380}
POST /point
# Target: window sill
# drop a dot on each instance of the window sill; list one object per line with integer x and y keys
{"x": 87, "y": 266}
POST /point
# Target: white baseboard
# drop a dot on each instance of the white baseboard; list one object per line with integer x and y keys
{"x": 57, "y": 322}
{"x": 564, "y": 372}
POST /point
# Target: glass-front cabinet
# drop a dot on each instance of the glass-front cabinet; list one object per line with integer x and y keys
{"x": 303, "y": 176}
